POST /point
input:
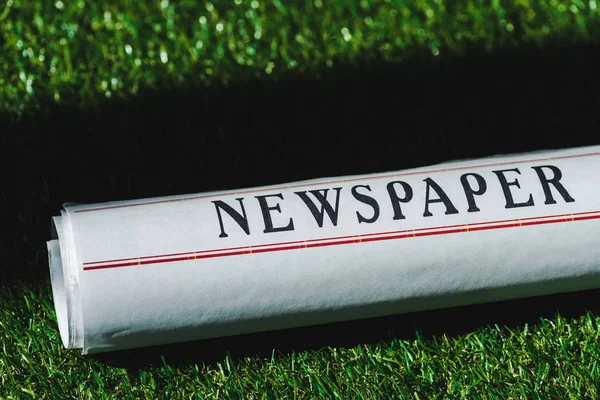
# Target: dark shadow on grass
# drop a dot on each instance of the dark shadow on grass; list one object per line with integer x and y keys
{"x": 452, "y": 322}
{"x": 353, "y": 120}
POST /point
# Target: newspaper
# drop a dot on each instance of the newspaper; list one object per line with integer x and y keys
{"x": 162, "y": 270}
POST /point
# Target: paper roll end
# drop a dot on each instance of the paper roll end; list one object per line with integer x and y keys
{"x": 60, "y": 277}
{"x": 58, "y": 290}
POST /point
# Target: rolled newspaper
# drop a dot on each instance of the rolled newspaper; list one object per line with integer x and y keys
{"x": 163, "y": 270}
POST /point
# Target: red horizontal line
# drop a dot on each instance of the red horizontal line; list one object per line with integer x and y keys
{"x": 357, "y": 239}
{"x": 334, "y": 238}
{"x": 336, "y": 181}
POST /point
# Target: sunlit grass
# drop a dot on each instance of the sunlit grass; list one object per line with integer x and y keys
{"x": 82, "y": 52}
{"x": 553, "y": 358}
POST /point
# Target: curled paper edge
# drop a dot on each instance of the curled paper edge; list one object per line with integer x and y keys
{"x": 65, "y": 282}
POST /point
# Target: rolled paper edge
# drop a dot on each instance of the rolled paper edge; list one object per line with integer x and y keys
{"x": 65, "y": 284}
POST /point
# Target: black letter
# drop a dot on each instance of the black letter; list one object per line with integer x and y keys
{"x": 363, "y": 198}
{"x": 470, "y": 193}
{"x": 510, "y": 202}
{"x": 443, "y": 198}
{"x": 555, "y": 181}
{"x": 237, "y": 217}
{"x": 266, "y": 212}
{"x": 408, "y": 195}
{"x": 325, "y": 206}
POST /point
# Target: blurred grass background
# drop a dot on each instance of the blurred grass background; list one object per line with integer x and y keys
{"x": 81, "y": 52}
{"x": 116, "y": 100}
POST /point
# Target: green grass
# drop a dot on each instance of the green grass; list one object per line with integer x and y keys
{"x": 80, "y": 52}
{"x": 62, "y": 61}
{"x": 554, "y": 358}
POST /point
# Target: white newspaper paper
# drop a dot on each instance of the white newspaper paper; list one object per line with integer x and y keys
{"x": 163, "y": 270}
